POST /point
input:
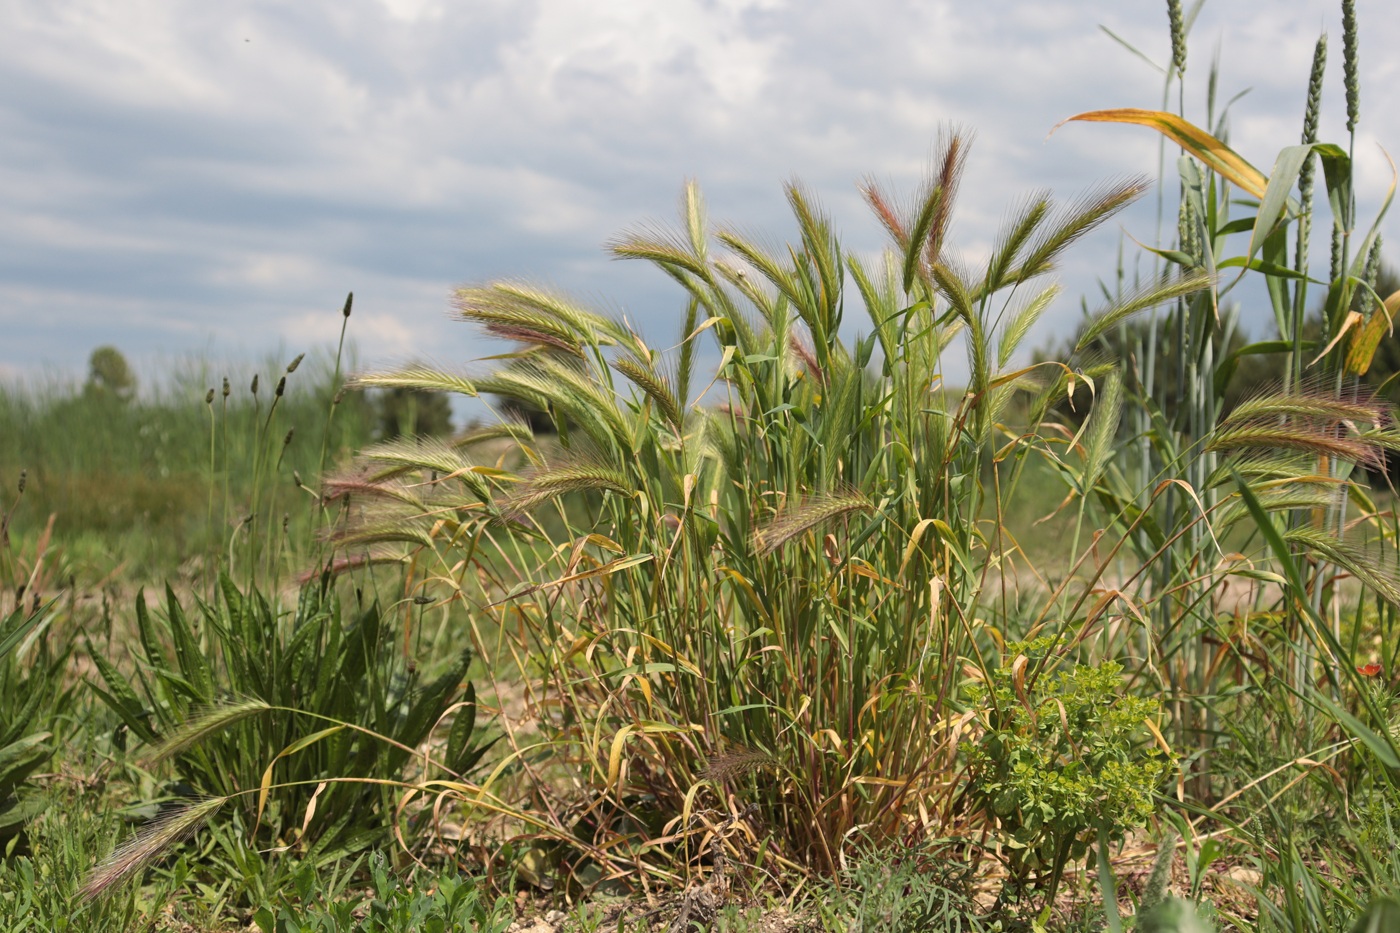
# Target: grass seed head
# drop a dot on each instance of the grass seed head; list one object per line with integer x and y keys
{"x": 805, "y": 515}
{"x": 1310, "y": 119}
{"x": 738, "y": 761}
{"x": 1349, "y": 63}
{"x": 212, "y": 720}
{"x": 1178, "y": 30}
{"x": 142, "y": 849}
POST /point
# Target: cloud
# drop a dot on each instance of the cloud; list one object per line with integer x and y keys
{"x": 177, "y": 174}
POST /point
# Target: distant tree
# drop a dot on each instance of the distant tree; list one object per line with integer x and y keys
{"x": 539, "y": 420}
{"x": 413, "y": 413}
{"x": 109, "y": 375}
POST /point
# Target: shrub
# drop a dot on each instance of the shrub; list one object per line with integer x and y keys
{"x": 1063, "y": 759}
{"x": 109, "y": 376}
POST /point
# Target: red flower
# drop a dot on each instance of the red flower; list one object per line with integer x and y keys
{"x": 1369, "y": 670}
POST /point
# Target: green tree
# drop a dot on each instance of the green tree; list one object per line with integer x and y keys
{"x": 405, "y": 412}
{"x": 109, "y": 375}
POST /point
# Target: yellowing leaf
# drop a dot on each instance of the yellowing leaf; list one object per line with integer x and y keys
{"x": 265, "y": 785}
{"x": 913, "y": 544}
{"x": 1157, "y": 734}
{"x": 615, "y": 755}
{"x": 1217, "y": 156}
{"x": 1364, "y": 342}
{"x": 863, "y": 569}
{"x": 1351, "y": 321}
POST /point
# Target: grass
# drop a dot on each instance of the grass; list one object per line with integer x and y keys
{"x": 131, "y": 483}
{"x": 809, "y": 647}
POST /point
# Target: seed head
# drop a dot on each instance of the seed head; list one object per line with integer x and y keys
{"x": 292, "y": 366}
{"x": 255, "y": 384}
{"x": 23, "y": 478}
{"x": 288, "y": 439}
{"x": 281, "y": 387}
{"x": 1178, "y": 28}
{"x": 137, "y": 853}
{"x": 1187, "y": 229}
{"x": 349, "y": 300}
{"x": 1310, "y": 118}
{"x": 226, "y": 390}
{"x": 1370, "y": 274}
{"x": 209, "y": 397}
{"x": 1349, "y": 66}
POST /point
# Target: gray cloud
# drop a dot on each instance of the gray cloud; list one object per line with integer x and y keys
{"x": 175, "y": 174}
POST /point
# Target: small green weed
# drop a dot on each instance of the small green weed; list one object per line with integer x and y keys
{"x": 422, "y": 903}
{"x": 39, "y": 892}
{"x": 34, "y": 693}
{"x": 28, "y": 688}
{"x": 1061, "y": 758}
{"x": 898, "y": 891}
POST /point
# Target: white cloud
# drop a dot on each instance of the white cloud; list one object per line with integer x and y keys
{"x": 168, "y": 167}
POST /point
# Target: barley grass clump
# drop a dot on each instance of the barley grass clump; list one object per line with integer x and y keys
{"x": 769, "y": 598}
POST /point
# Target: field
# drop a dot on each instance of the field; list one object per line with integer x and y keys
{"x": 887, "y": 632}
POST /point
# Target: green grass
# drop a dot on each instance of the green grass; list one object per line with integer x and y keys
{"x": 144, "y": 487}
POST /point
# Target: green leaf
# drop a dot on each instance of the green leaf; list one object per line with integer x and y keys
{"x": 15, "y": 630}
{"x": 122, "y": 699}
{"x": 1276, "y": 205}
{"x": 460, "y": 755}
{"x": 1382, "y": 915}
{"x": 1382, "y": 748}
{"x": 188, "y": 653}
{"x": 1108, "y": 885}
{"x": 1266, "y": 268}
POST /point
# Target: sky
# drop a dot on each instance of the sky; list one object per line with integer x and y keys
{"x": 180, "y": 178}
